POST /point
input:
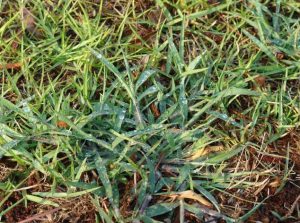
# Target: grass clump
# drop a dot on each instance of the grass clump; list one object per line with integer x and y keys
{"x": 149, "y": 111}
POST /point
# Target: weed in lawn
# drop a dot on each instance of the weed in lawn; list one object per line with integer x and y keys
{"x": 149, "y": 111}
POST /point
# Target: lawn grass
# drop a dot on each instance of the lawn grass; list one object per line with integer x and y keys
{"x": 149, "y": 111}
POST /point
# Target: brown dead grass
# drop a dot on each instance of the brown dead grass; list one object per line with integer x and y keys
{"x": 75, "y": 210}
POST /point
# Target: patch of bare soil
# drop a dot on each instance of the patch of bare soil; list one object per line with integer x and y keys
{"x": 74, "y": 210}
{"x": 70, "y": 210}
{"x": 286, "y": 203}
{"x": 283, "y": 203}
{"x": 19, "y": 212}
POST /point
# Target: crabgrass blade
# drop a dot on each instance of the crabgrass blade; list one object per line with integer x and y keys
{"x": 120, "y": 119}
{"x": 249, "y": 213}
{"x": 142, "y": 192}
{"x": 159, "y": 209}
{"x": 104, "y": 216}
{"x": 261, "y": 45}
{"x": 152, "y": 129}
{"x": 7, "y": 146}
{"x": 114, "y": 70}
{"x": 63, "y": 194}
{"x": 166, "y": 12}
{"x": 200, "y": 212}
{"x": 166, "y": 115}
{"x": 184, "y": 173}
{"x": 222, "y": 156}
{"x": 210, "y": 10}
{"x": 40, "y": 200}
{"x": 208, "y": 195}
{"x": 192, "y": 65}
{"x": 82, "y": 168}
{"x": 10, "y": 207}
{"x": 177, "y": 60}
{"x": 182, "y": 35}
{"x": 5, "y": 130}
{"x": 102, "y": 172}
{"x": 152, "y": 175}
{"x": 25, "y": 112}
{"x": 195, "y": 71}
{"x": 85, "y": 135}
{"x": 144, "y": 76}
{"x": 234, "y": 91}
{"x": 183, "y": 102}
{"x": 276, "y": 16}
{"x": 225, "y": 93}
{"x": 205, "y": 108}
{"x": 87, "y": 186}
{"x": 225, "y": 118}
{"x": 195, "y": 210}
{"x": 148, "y": 91}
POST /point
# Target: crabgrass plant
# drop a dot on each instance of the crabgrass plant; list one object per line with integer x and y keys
{"x": 148, "y": 109}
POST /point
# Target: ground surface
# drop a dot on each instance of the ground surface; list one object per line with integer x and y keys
{"x": 149, "y": 111}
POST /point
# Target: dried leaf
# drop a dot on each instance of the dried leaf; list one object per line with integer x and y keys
{"x": 11, "y": 66}
{"x": 213, "y": 2}
{"x": 163, "y": 68}
{"x": 261, "y": 187}
{"x": 61, "y": 124}
{"x": 144, "y": 60}
{"x": 28, "y": 20}
{"x": 260, "y": 80}
{"x": 204, "y": 151}
{"x": 276, "y": 183}
{"x": 156, "y": 16}
{"x": 144, "y": 35}
{"x": 15, "y": 45}
{"x": 280, "y": 55}
{"x": 189, "y": 194}
{"x": 155, "y": 111}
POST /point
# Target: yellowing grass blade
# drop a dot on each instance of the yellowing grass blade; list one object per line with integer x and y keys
{"x": 204, "y": 151}
{"x": 189, "y": 194}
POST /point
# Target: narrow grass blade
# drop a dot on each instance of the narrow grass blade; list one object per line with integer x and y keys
{"x": 208, "y": 195}
{"x": 64, "y": 194}
{"x": 183, "y": 102}
{"x": 260, "y": 45}
{"x": 166, "y": 12}
{"x": 159, "y": 209}
{"x": 144, "y": 76}
{"x": 210, "y": 10}
{"x": 102, "y": 172}
{"x": 222, "y": 156}
{"x": 114, "y": 70}
{"x": 40, "y": 200}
